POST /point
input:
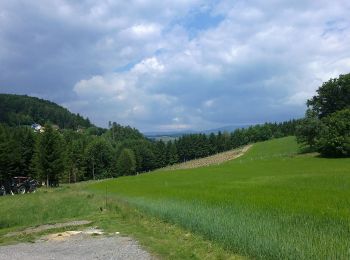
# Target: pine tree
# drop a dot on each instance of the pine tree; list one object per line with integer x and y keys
{"x": 48, "y": 160}
{"x": 172, "y": 156}
{"x": 25, "y": 142}
{"x": 160, "y": 154}
{"x": 126, "y": 163}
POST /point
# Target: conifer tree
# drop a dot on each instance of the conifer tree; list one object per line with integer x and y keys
{"x": 172, "y": 156}
{"x": 48, "y": 160}
{"x": 160, "y": 154}
{"x": 126, "y": 163}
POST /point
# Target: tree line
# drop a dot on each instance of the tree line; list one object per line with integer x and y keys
{"x": 67, "y": 155}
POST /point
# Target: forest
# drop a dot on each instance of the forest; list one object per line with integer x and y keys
{"x": 16, "y": 110}
{"x": 70, "y": 156}
{"x": 79, "y": 151}
{"x": 73, "y": 153}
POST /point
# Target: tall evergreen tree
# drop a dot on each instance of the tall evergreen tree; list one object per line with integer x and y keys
{"x": 172, "y": 156}
{"x": 25, "y": 143}
{"x": 48, "y": 161}
{"x": 160, "y": 154}
{"x": 126, "y": 163}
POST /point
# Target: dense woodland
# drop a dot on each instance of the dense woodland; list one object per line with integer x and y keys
{"x": 80, "y": 151}
{"x": 76, "y": 153}
{"x": 69, "y": 156}
{"x": 17, "y": 110}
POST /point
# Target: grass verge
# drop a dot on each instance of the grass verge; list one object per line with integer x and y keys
{"x": 73, "y": 202}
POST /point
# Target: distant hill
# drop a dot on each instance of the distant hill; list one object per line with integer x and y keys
{"x": 171, "y": 135}
{"x": 228, "y": 128}
{"x": 26, "y": 110}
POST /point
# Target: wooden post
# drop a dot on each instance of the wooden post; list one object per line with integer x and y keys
{"x": 93, "y": 170}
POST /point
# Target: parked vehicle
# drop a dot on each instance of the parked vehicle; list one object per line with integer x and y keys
{"x": 2, "y": 190}
{"x": 18, "y": 185}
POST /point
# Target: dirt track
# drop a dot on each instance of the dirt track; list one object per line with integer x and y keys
{"x": 211, "y": 160}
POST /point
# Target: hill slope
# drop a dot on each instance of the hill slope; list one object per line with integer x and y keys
{"x": 25, "y": 110}
{"x": 215, "y": 159}
{"x": 271, "y": 203}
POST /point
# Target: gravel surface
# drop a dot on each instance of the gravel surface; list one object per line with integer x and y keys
{"x": 79, "y": 246}
{"x": 49, "y": 226}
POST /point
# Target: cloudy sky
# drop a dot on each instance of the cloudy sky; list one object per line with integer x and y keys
{"x": 174, "y": 65}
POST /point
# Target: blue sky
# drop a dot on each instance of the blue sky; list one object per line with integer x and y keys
{"x": 174, "y": 65}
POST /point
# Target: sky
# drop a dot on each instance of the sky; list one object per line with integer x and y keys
{"x": 161, "y": 65}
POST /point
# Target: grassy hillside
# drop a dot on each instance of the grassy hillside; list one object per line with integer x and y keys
{"x": 270, "y": 203}
{"x": 24, "y": 110}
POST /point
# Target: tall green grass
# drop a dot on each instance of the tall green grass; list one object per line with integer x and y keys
{"x": 271, "y": 203}
{"x": 73, "y": 202}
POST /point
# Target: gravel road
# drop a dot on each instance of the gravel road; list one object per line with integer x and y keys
{"x": 79, "y": 246}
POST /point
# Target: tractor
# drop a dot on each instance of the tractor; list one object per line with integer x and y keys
{"x": 18, "y": 185}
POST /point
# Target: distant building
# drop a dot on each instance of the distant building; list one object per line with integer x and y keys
{"x": 38, "y": 128}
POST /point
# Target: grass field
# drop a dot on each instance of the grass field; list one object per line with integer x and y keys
{"x": 270, "y": 203}
{"x": 74, "y": 202}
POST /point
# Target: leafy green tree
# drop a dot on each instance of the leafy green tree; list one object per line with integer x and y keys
{"x": 325, "y": 126}
{"x": 126, "y": 163}
{"x": 76, "y": 143}
{"x": 309, "y": 129}
{"x": 98, "y": 159}
{"x": 332, "y": 96}
{"x": 334, "y": 139}
{"x": 48, "y": 160}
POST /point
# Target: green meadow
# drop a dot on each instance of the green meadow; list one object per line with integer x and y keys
{"x": 271, "y": 203}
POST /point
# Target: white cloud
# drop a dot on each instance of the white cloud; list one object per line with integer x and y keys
{"x": 141, "y": 62}
{"x": 145, "y": 30}
{"x": 250, "y": 73}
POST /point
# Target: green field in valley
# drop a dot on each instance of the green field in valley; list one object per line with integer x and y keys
{"x": 270, "y": 203}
